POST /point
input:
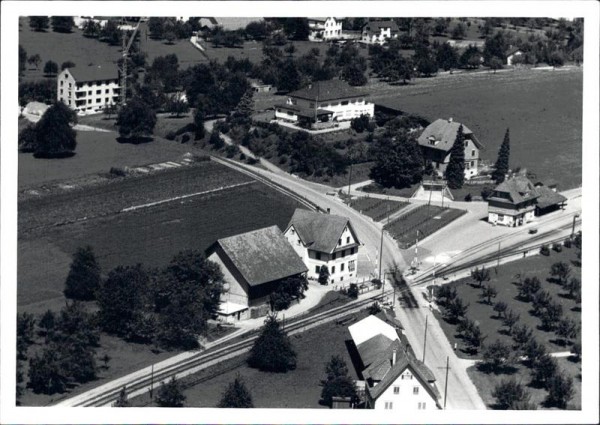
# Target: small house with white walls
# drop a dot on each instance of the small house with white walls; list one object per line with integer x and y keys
{"x": 253, "y": 265}
{"x": 324, "y": 29}
{"x": 510, "y": 57}
{"x": 379, "y": 32}
{"x": 325, "y": 240}
{"x": 394, "y": 379}
{"x": 436, "y": 143}
{"x": 323, "y": 101}
{"x": 89, "y": 89}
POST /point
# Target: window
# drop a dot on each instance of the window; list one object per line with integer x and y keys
{"x": 345, "y": 102}
{"x": 70, "y": 85}
{"x": 334, "y": 255}
{"x": 388, "y": 405}
{"x": 472, "y": 164}
{"x": 500, "y": 217}
{"x": 343, "y": 253}
{"x": 98, "y": 100}
{"x": 107, "y": 100}
{"x": 352, "y": 265}
{"x": 416, "y": 390}
{"x": 341, "y": 278}
{"x": 106, "y": 91}
{"x": 348, "y": 239}
{"x": 290, "y": 113}
{"x": 90, "y": 92}
{"x": 61, "y": 91}
{"x": 332, "y": 269}
{"x": 98, "y": 91}
{"x": 342, "y": 267}
{"x": 317, "y": 269}
{"x": 61, "y": 83}
{"x": 422, "y": 405}
{"x": 352, "y": 250}
{"x": 339, "y": 241}
{"x": 466, "y": 143}
{"x": 396, "y": 390}
{"x": 473, "y": 152}
{"x": 298, "y": 242}
{"x": 318, "y": 254}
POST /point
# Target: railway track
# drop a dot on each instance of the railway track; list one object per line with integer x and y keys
{"x": 215, "y": 355}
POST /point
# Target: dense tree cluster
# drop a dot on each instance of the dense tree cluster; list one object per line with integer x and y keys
{"x": 52, "y": 136}
{"x": 136, "y": 120}
{"x": 272, "y": 351}
{"x": 398, "y": 160}
{"x": 288, "y": 290}
{"x": 62, "y": 23}
{"x": 337, "y": 382}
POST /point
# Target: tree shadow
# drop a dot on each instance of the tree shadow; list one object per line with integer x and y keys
{"x": 503, "y": 332}
{"x": 553, "y": 280}
{"x": 576, "y": 263}
{"x": 501, "y": 370}
{"x": 576, "y": 308}
{"x": 55, "y": 155}
{"x": 134, "y": 140}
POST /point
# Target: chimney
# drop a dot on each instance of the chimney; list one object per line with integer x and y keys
{"x": 394, "y": 357}
{"x": 450, "y": 119}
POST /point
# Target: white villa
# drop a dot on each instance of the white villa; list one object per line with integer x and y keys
{"x": 324, "y": 29}
{"x": 89, "y": 89}
{"x": 323, "y": 101}
{"x": 324, "y": 240}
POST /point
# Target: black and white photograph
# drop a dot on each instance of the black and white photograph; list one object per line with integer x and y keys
{"x": 393, "y": 211}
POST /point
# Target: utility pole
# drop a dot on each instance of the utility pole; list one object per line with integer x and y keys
{"x": 573, "y": 230}
{"x": 416, "y": 260}
{"x": 425, "y": 339}
{"x": 152, "y": 383}
{"x": 381, "y": 245}
{"x": 498, "y": 259}
{"x": 446, "y": 385}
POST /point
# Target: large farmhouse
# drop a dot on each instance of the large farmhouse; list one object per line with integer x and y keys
{"x": 324, "y": 101}
{"x": 379, "y": 32}
{"x": 324, "y": 29}
{"x": 516, "y": 200}
{"x": 253, "y": 264}
{"x": 437, "y": 140}
{"x": 324, "y": 240}
{"x": 394, "y": 379}
{"x": 88, "y": 89}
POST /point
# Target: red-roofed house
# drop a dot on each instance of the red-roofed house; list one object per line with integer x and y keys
{"x": 253, "y": 264}
{"x": 437, "y": 140}
{"x": 88, "y": 89}
{"x": 394, "y": 378}
{"x": 324, "y": 240}
{"x": 324, "y": 101}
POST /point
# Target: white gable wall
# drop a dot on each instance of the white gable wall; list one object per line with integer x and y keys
{"x": 236, "y": 293}
{"x": 405, "y": 393}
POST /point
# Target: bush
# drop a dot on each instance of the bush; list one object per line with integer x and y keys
{"x": 545, "y": 250}
{"x": 231, "y": 151}
{"x": 353, "y": 291}
{"x": 468, "y": 197}
{"x": 557, "y": 247}
{"x": 118, "y": 171}
{"x": 568, "y": 243}
{"x": 242, "y": 156}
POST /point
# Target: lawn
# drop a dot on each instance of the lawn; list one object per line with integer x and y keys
{"x": 426, "y": 219}
{"x": 376, "y": 208}
{"x": 543, "y": 110}
{"x": 96, "y": 152}
{"x": 151, "y": 236}
{"x": 503, "y": 281}
{"x": 299, "y": 388}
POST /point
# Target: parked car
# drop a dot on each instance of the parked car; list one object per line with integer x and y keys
{"x": 533, "y": 231}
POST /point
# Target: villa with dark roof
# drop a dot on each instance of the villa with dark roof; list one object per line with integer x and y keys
{"x": 392, "y": 376}
{"x": 254, "y": 264}
{"x": 324, "y": 240}
{"x": 378, "y": 32}
{"x": 323, "y": 101}
{"x": 89, "y": 89}
{"x": 437, "y": 140}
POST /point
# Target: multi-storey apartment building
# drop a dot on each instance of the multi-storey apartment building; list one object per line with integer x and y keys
{"x": 89, "y": 89}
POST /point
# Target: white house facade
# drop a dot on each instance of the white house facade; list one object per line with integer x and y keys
{"x": 324, "y": 29}
{"x": 324, "y": 240}
{"x": 379, "y": 32}
{"x": 88, "y": 90}
{"x": 323, "y": 101}
{"x": 510, "y": 58}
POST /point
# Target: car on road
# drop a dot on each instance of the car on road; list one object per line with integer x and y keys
{"x": 533, "y": 231}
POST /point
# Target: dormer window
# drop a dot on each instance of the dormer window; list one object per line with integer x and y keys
{"x": 431, "y": 140}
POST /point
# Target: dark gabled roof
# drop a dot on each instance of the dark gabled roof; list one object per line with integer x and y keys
{"x": 321, "y": 91}
{"x": 319, "y": 231}
{"x": 548, "y": 197}
{"x": 94, "y": 73}
{"x": 262, "y": 255}
{"x": 519, "y": 189}
{"x": 370, "y": 350}
{"x": 375, "y": 26}
{"x": 444, "y": 131}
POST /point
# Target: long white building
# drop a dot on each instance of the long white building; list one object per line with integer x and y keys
{"x": 89, "y": 89}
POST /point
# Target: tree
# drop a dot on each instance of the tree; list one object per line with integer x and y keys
{"x": 440, "y": 26}
{"x": 109, "y": 110}
{"x": 136, "y": 120}
{"x": 45, "y": 374}
{"x": 447, "y": 57}
{"x": 529, "y": 288}
{"x": 445, "y": 294}
{"x": 91, "y": 29}
{"x": 170, "y": 394}
{"x": 62, "y": 23}
{"x": 551, "y": 315}
{"x": 289, "y": 289}
{"x": 50, "y": 68}
{"x": 155, "y": 27}
{"x": 488, "y": 292}
{"x": 186, "y": 294}
{"x": 574, "y": 288}
{"x": 576, "y": 351}
{"x": 566, "y": 329}
{"x": 110, "y": 33}
{"x": 48, "y": 323}
{"x": 510, "y": 394}
{"x": 501, "y": 166}
{"x": 83, "y": 279}
{"x": 459, "y": 31}
{"x": 398, "y": 161}
{"x": 474, "y": 338}
{"x": 480, "y": 275}
{"x": 216, "y": 140}
{"x": 337, "y": 382}
{"x": 39, "y": 23}
{"x": 121, "y": 299}
{"x": 323, "y": 275}
{"x": 35, "y": 60}
{"x": 560, "y": 391}
{"x": 561, "y": 271}
{"x": 495, "y": 64}
{"x": 456, "y": 309}
{"x": 496, "y": 356}
{"x": 177, "y": 106}
{"x": 500, "y": 307}
{"x": 199, "y": 130}
{"x": 272, "y": 351}
{"x": 22, "y": 59}
{"x": 55, "y": 137}
{"x": 288, "y": 77}
{"x": 544, "y": 370}
{"x": 67, "y": 64}
{"x": 122, "y": 401}
{"x": 455, "y": 171}
{"x": 170, "y": 37}
{"x": 534, "y": 351}
{"x": 236, "y": 395}
{"x": 510, "y": 320}
{"x": 353, "y": 291}
{"x": 521, "y": 334}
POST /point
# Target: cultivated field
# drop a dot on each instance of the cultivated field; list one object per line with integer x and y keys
{"x": 377, "y": 209}
{"x": 542, "y": 108}
{"x": 426, "y": 219}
